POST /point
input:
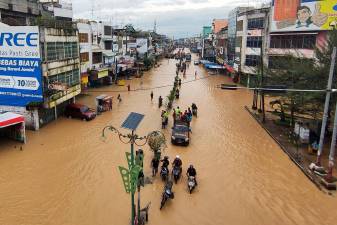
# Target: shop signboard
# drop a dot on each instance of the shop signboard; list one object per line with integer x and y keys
{"x": 20, "y": 66}
{"x": 103, "y": 73}
{"x": 303, "y": 15}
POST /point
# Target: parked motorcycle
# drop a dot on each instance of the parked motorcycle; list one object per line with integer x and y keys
{"x": 167, "y": 194}
{"x": 191, "y": 183}
{"x": 164, "y": 173}
{"x": 176, "y": 172}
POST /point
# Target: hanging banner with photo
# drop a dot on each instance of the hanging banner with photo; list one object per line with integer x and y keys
{"x": 303, "y": 15}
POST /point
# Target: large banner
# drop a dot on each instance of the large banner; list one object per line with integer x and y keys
{"x": 20, "y": 66}
{"x": 303, "y": 15}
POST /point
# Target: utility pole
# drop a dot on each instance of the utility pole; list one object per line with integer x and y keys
{"x": 262, "y": 83}
{"x": 329, "y": 177}
{"x": 326, "y": 108}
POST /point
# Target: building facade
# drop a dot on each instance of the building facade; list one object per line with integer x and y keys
{"x": 19, "y": 12}
{"x": 291, "y": 34}
{"x": 232, "y": 18}
{"x": 59, "y": 63}
{"x": 251, "y": 44}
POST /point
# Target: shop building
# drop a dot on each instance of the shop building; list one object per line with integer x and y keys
{"x": 298, "y": 36}
{"x": 52, "y": 77}
{"x": 251, "y": 43}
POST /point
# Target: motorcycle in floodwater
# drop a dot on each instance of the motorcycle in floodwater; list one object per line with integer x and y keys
{"x": 164, "y": 173}
{"x": 167, "y": 194}
{"x": 176, "y": 172}
{"x": 191, "y": 184}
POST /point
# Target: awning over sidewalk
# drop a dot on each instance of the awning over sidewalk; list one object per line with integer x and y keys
{"x": 12, "y": 125}
{"x": 214, "y": 66}
{"x": 8, "y": 119}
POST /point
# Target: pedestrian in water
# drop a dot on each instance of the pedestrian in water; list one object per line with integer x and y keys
{"x": 189, "y": 111}
{"x": 160, "y": 101}
{"x": 119, "y": 98}
{"x": 154, "y": 165}
{"x": 163, "y": 120}
{"x": 195, "y": 74}
{"x": 151, "y": 95}
{"x": 174, "y": 116}
{"x": 129, "y": 88}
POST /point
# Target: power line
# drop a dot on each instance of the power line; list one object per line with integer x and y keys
{"x": 279, "y": 89}
{"x": 145, "y": 89}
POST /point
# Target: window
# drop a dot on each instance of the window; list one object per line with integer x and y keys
{"x": 239, "y": 25}
{"x": 108, "y": 45}
{"x": 51, "y": 51}
{"x": 254, "y": 42}
{"x": 306, "y": 41}
{"x": 84, "y": 57}
{"x": 83, "y": 37}
{"x": 61, "y": 50}
{"x": 69, "y": 78}
{"x": 238, "y": 42}
{"x": 107, "y": 30}
{"x": 74, "y": 49}
{"x": 97, "y": 57}
{"x": 256, "y": 23}
{"x": 67, "y": 49}
{"x": 252, "y": 60}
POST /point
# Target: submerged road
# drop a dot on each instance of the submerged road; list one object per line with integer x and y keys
{"x": 67, "y": 174}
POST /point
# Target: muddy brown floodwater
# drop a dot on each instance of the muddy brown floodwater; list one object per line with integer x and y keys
{"x": 67, "y": 174}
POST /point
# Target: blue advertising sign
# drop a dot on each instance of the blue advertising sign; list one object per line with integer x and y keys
{"x": 20, "y": 66}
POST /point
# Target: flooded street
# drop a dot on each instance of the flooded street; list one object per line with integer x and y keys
{"x": 67, "y": 174}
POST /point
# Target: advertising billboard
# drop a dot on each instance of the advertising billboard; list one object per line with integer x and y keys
{"x": 20, "y": 66}
{"x": 303, "y": 15}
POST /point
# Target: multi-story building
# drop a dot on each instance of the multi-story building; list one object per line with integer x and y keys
{"x": 218, "y": 24}
{"x": 251, "y": 43}
{"x": 232, "y": 18}
{"x": 56, "y": 66}
{"x": 206, "y": 31}
{"x": 221, "y": 38}
{"x": 298, "y": 28}
{"x": 19, "y": 12}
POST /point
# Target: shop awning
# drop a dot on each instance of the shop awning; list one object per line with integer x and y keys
{"x": 214, "y": 66}
{"x": 8, "y": 119}
{"x": 108, "y": 54}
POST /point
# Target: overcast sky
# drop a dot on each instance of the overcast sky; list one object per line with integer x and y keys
{"x": 178, "y": 18}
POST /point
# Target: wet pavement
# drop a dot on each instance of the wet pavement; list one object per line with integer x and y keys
{"x": 67, "y": 174}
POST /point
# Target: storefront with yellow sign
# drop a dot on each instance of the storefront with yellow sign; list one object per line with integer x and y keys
{"x": 98, "y": 77}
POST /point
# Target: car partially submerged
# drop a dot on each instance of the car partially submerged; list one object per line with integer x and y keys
{"x": 180, "y": 133}
{"x": 196, "y": 62}
{"x": 79, "y": 111}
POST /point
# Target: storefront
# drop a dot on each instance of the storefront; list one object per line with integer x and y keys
{"x": 99, "y": 77}
{"x": 12, "y": 125}
{"x": 84, "y": 80}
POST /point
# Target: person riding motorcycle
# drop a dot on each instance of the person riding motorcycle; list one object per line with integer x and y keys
{"x": 191, "y": 172}
{"x": 165, "y": 162}
{"x": 177, "y": 162}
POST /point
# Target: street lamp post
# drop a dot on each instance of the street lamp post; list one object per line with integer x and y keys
{"x": 130, "y": 177}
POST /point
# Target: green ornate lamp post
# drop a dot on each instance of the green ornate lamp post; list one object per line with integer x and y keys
{"x": 130, "y": 174}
